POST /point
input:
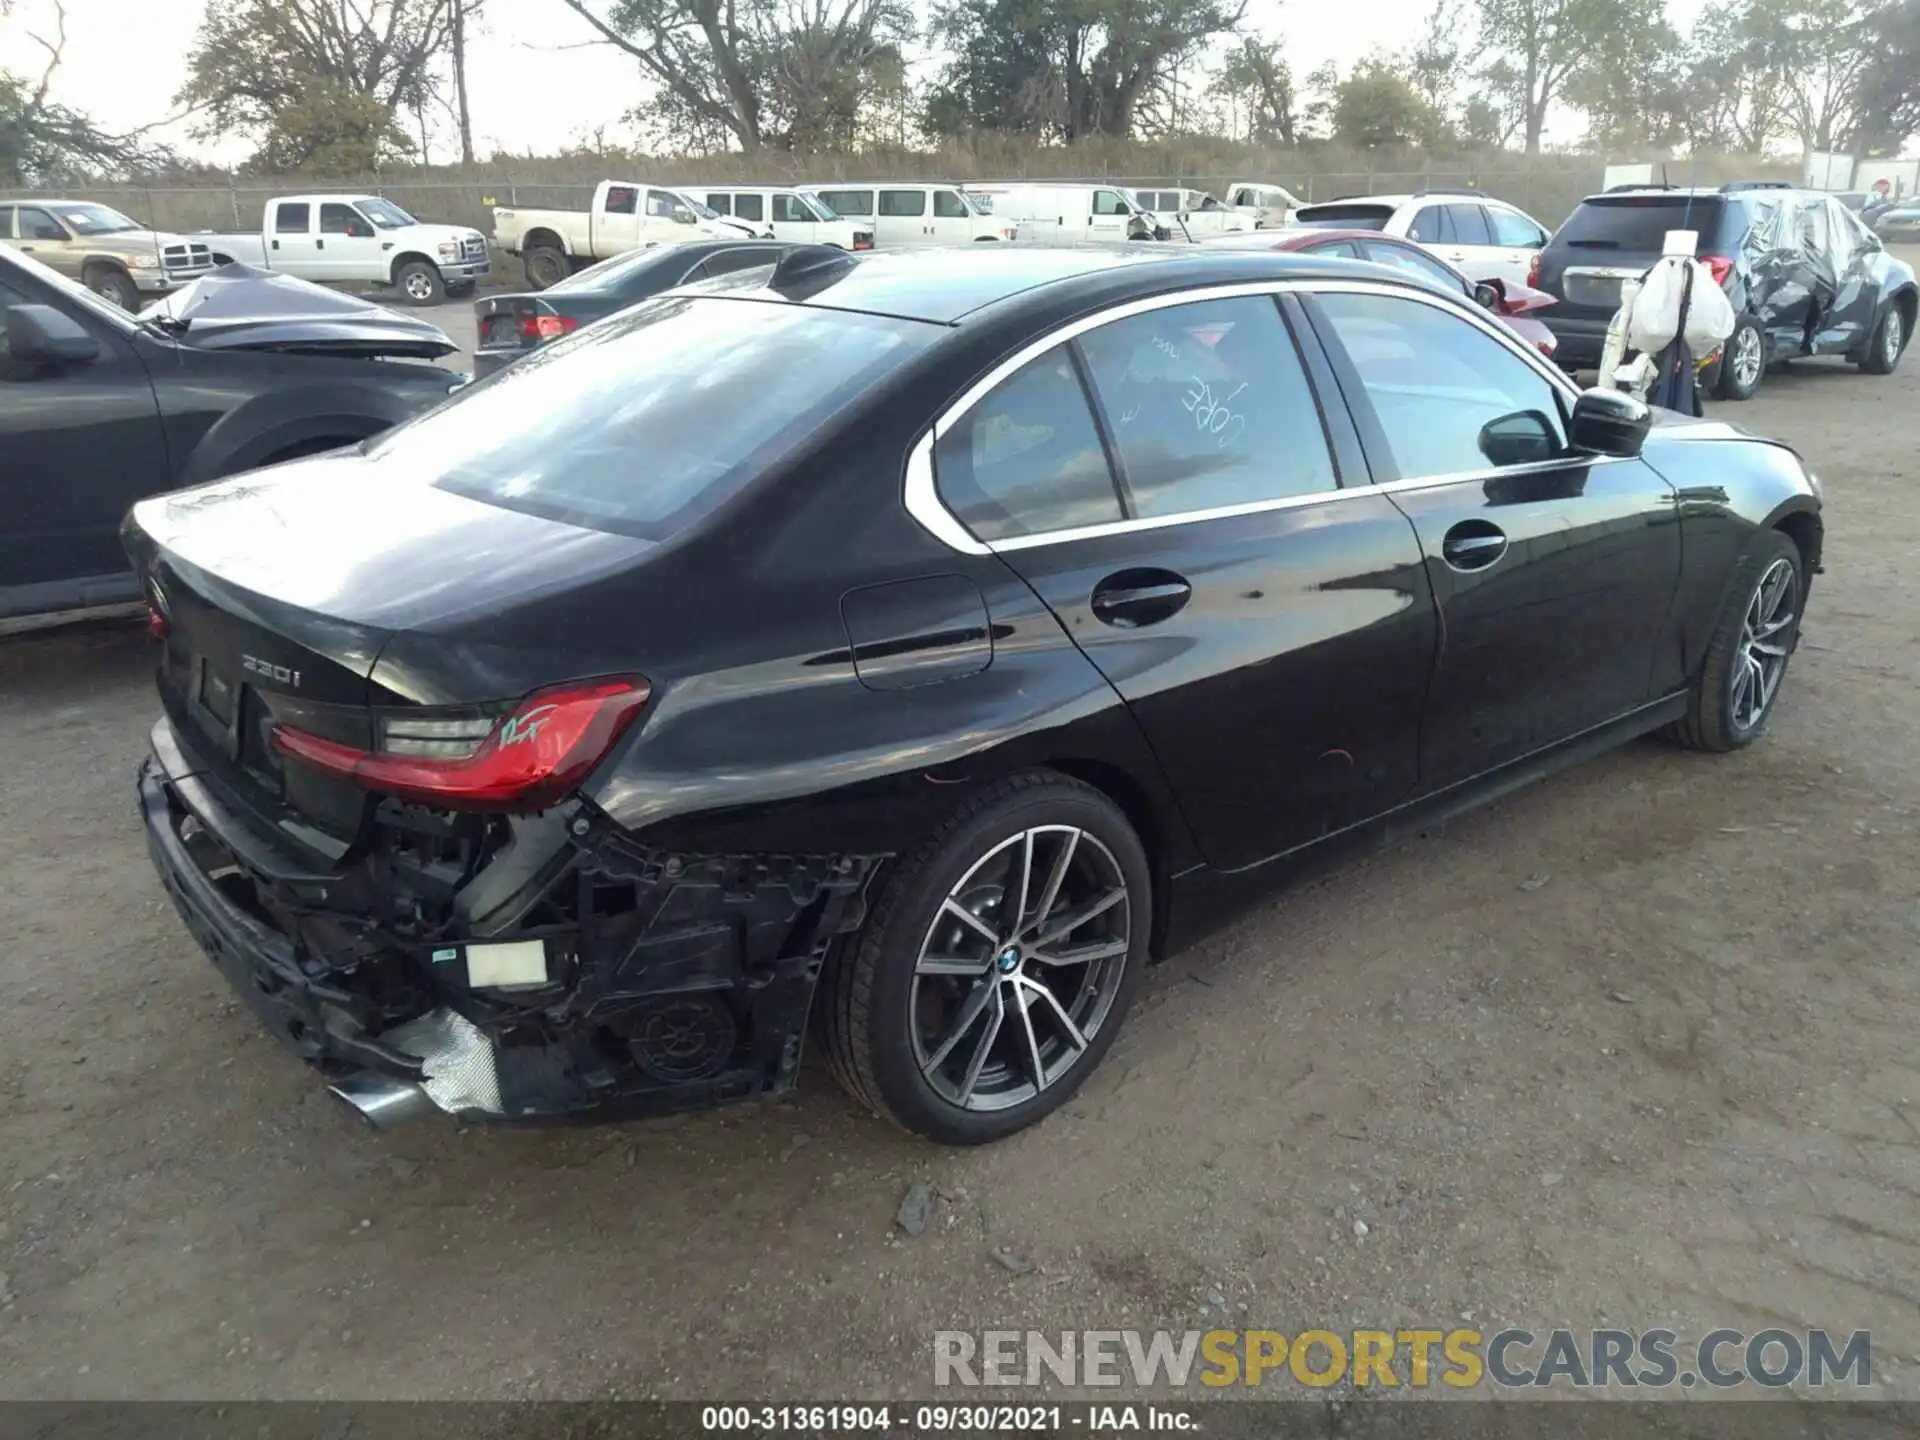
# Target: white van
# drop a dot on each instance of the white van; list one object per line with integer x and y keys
{"x": 1271, "y": 206}
{"x": 1193, "y": 214}
{"x": 784, "y": 213}
{"x": 1066, "y": 214}
{"x": 908, "y": 215}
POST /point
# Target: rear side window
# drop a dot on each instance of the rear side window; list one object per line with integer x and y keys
{"x": 1344, "y": 249}
{"x": 6, "y": 222}
{"x": 1637, "y": 223}
{"x": 903, "y": 202}
{"x": 292, "y": 219}
{"x": 1208, "y": 406}
{"x": 1027, "y": 459}
{"x": 1516, "y": 232}
{"x": 720, "y": 203}
{"x": 847, "y": 202}
{"x": 1432, "y": 226}
{"x": 647, "y": 421}
{"x": 1345, "y": 215}
{"x": 1414, "y": 262}
{"x": 948, "y": 206}
{"x": 622, "y": 199}
{"x": 1437, "y": 383}
{"x": 750, "y": 207}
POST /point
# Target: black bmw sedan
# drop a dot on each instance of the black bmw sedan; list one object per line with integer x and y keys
{"x": 905, "y": 650}
{"x": 509, "y": 326}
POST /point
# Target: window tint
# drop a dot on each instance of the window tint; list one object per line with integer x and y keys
{"x": 1435, "y": 379}
{"x": 1637, "y": 223}
{"x": 903, "y": 202}
{"x": 1108, "y": 202}
{"x": 1414, "y": 262}
{"x": 847, "y": 202}
{"x": 1346, "y": 215}
{"x": 1514, "y": 231}
{"x": 648, "y": 420}
{"x": 720, "y": 202}
{"x": 787, "y": 209}
{"x": 1208, "y": 406}
{"x": 949, "y": 206}
{"x": 750, "y": 207}
{"x": 622, "y": 200}
{"x": 1469, "y": 224}
{"x": 1431, "y": 226}
{"x": 1027, "y": 459}
{"x": 728, "y": 262}
{"x": 292, "y": 219}
{"x": 338, "y": 219}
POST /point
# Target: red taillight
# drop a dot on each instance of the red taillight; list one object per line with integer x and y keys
{"x": 529, "y": 759}
{"x": 157, "y": 625}
{"x": 1533, "y": 269}
{"x": 1720, "y": 266}
{"x": 546, "y": 327}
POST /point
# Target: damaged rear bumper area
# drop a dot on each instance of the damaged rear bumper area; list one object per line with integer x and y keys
{"x": 609, "y": 979}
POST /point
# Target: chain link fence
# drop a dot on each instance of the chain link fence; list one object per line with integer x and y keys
{"x": 1546, "y": 193}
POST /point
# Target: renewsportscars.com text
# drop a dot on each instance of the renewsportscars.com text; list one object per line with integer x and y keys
{"x": 1414, "y": 1358}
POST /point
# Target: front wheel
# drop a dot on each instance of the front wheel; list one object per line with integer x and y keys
{"x": 1746, "y": 660}
{"x": 115, "y": 285}
{"x": 1883, "y": 350}
{"x": 546, "y": 266}
{"x": 997, "y": 966}
{"x": 420, "y": 283}
{"x": 1743, "y": 361}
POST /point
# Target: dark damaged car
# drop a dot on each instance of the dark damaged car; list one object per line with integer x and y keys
{"x": 903, "y": 650}
{"x": 1804, "y": 275}
{"x": 99, "y": 408}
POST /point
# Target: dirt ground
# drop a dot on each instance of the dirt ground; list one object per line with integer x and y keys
{"x": 1633, "y": 1048}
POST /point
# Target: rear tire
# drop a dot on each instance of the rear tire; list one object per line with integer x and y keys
{"x": 1889, "y": 342}
{"x": 115, "y": 285}
{"x": 1746, "y": 662}
{"x": 935, "y": 1016}
{"x": 419, "y": 283}
{"x": 1743, "y": 361}
{"x": 546, "y": 265}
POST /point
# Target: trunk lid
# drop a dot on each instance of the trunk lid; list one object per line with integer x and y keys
{"x": 280, "y": 592}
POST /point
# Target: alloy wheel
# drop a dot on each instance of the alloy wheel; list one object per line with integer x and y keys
{"x": 1765, "y": 632}
{"x": 1895, "y": 335}
{"x": 1746, "y": 357}
{"x": 419, "y": 286}
{"x": 1020, "y": 967}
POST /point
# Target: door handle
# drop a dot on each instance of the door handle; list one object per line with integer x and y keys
{"x": 1133, "y": 598}
{"x": 319, "y": 244}
{"x": 1473, "y": 545}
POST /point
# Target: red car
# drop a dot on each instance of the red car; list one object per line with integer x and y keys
{"x": 1512, "y": 303}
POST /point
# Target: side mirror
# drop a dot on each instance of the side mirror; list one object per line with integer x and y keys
{"x": 1521, "y": 438}
{"x": 682, "y": 215}
{"x": 48, "y": 232}
{"x": 1489, "y": 294}
{"x": 40, "y": 334}
{"x": 1609, "y": 422}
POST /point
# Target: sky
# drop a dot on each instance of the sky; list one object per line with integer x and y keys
{"x": 537, "y": 83}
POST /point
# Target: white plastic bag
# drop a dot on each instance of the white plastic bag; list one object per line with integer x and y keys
{"x": 1655, "y": 317}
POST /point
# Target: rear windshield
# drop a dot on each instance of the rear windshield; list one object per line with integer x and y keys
{"x": 1637, "y": 222}
{"x": 1345, "y": 215}
{"x": 651, "y": 419}
{"x": 610, "y": 274}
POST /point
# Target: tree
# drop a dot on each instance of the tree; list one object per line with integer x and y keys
{"x": 1376, "y": 105}
{"x": 1634, "y": 85}
{"x": 1889, "y": 84}
{"x": 1544, "y": 43}
{"x": 43, "y": 142}
{"x": 1257, "y": 82}
{"x": 1736, "y": 91}
{"x": 1065, "y": 69}
{"x": 748, "y": 73}
{"x": 318, "y": 83}
{"x": 1433, "y": 63}
{"x": 1820, "y": 50}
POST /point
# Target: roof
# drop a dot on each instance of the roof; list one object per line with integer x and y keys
{"x": 945, "y": 286}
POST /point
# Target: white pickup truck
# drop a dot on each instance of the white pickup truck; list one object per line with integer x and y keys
{"x": 1191, "y": 213}
{"x": 342, "y": 238}
{"x": 625, "y": 215}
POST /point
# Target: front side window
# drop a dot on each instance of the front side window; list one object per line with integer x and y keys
{"x": 903, "y": 203}
{"x": 338, "y": 219}
{"x": 648, "y": 420}
{"x": 788, "y": 210}
{"x": 854, "y": 204}
{"x": 292, "y": 218}
{"x": 1027, "y": 459}
{"x": 947, "y": 205}
{"x": 1110, "y": 202}
{"x": 1450, "y": 398}
{"x": 1515, "y": 231}
{"x": 1414, "y": 262}
{"x": 36, "y": 224}
{"x": 662, "y": 203}
{"x": 1208, "y": 406}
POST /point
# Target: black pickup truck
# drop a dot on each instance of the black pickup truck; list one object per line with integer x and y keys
{"x": 99, "y": 408}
